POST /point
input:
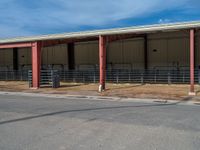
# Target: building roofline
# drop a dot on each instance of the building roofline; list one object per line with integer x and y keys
{"x": 114, "y": 31}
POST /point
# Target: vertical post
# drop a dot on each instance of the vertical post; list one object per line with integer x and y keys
{"x": 102, "y": 62}
{"x": 192, "y": 62}
{"x": 36, "y": 62}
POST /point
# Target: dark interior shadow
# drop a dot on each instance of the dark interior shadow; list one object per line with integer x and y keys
{"x": 70, "y": 85}
{"x": 82, "y": 110}
{"x": 62, "y": 86}
{"x": 186, "y": 99}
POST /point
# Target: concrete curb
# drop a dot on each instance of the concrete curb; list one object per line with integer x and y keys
{"x": 102, "y": 98}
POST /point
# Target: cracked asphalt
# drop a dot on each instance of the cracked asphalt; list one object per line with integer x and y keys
{"x": 50, "y": 123}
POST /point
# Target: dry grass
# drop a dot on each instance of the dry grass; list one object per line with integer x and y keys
{"x": 177, "y": 92}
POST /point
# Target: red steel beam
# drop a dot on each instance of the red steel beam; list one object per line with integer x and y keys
{"x": 102, "y": 62}
{"x": 36, "y": 63}
{"x": 191, "y": 62}
{"x": 65, "y": 41}
{"x": 114, "y": 38}
{"x": 109, "y": 39}
{"x": 15, "y": 45}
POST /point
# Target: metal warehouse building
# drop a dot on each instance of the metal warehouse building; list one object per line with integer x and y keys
{"x": 163, "y": 53}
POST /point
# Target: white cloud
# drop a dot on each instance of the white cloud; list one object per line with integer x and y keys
{"x": 12, "y": 31}
{"x": 95, "y": 12}
{"x": 29, "y": 17}
{"x": 161, "y": 21}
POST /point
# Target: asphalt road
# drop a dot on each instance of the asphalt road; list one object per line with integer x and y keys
{"x": 43, "y": 123}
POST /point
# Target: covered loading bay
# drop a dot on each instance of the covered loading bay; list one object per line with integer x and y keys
{"x": 129, "y": 57}
{"x": 167, "y": 59}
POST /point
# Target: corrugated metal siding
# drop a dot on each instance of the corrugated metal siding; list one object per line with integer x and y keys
{"x": 178, "y": 52}
{"x": 55, "y": 55}
{"x": 157, "y": 53}
{"x": 126, "y": 54}
{"x": 24, "y": 58}
{"x": 6, "y": 61}
{"x": 168, "y": 50}
{"x": 86, "y": 55}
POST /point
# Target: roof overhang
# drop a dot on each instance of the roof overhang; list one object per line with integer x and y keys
{"x": 116, "y": 31}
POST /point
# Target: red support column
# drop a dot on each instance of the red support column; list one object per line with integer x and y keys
{"x": 36, "y": 62}
{"x": 102, "y": 62}
{"x": 191, "y": 62}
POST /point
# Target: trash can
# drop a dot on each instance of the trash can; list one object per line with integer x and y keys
{"x": 56, "y": 81}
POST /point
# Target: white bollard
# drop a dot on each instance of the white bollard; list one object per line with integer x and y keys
{"x": 100, "y": 88}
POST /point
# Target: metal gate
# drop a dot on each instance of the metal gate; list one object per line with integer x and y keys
{"x": 47, "y": 78}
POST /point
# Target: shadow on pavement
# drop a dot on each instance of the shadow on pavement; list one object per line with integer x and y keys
{"x": 84, "y": 110}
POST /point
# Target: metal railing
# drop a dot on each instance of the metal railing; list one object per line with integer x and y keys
{"x": 150, "y": 76}
{"x": 131, "y": 76}
{"x": 46, "y": 77}
{"x": 79, "y": 76}
{"x": 112, "y": 76}
{"x": 21, "y": 75}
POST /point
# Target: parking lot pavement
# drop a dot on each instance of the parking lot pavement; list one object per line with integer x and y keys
{"x": 49, "y": 123}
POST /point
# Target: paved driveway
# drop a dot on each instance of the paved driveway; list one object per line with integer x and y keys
{"x": 44, "y": 123}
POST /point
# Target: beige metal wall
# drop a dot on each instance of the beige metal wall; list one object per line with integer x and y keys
{"x": 24, "y": 58}
{"x": 165, "y": 50}
{"x": 122, "y": 54}
{"x": 6, "y": 59}
{"x": 126, "y": 54}
{"x": 56, "y": 56}
{"x": 168, "y": 50}
{"x": 86, "y": 55}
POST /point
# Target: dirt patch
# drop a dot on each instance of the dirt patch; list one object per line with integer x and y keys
{"x": 158, "y": 91}
{"x": 148, "y": 91}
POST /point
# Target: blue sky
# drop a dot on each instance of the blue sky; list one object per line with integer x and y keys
{"x": 36, "y": 17}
